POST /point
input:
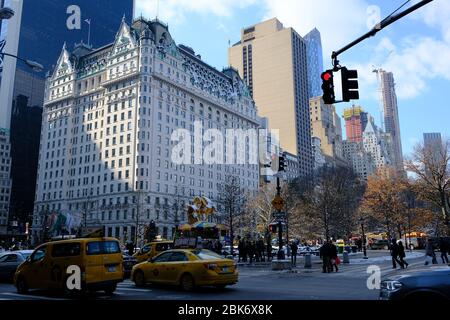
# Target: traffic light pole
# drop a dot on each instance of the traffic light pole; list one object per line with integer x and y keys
{"x": 383, "y": 24}
{"x": 280, "y": 254}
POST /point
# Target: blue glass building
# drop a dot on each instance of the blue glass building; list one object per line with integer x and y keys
{"x": 315, "y": 63}
{"x": 44, "y": 26}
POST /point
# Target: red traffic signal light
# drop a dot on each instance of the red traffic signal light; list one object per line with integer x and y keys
{"x": 328, "y": 87}
{"x": 273, "y": 228}
{"x": 326, "y": 76}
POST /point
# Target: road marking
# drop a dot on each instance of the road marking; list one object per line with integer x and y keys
{"x": 133, "y": 289}
{"x": 29, "y": 296}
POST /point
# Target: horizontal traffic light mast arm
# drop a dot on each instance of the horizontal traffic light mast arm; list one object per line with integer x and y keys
{"x": 380, "y": 26}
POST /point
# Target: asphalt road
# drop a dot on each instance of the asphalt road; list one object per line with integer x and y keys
{"x": 255, "y": 283}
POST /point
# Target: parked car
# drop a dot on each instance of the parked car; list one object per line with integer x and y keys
{"x": 429, "y": 283}
{"x": 128, "y": 264}
{"x": 9, "y": 261}
{"x": 314, "y": 250}
{"x": 226, "y": 251}
{"x": 380, "y": 245}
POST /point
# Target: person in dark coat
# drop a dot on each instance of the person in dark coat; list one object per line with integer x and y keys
{"x": 334, "y": 256}
{"x": 402, "y": 255}
{"x": 241, "y": 249}
{"x": 394, "y": 255}
{"x": 429, "y": 253}
{"x": 443, "y": 248}
{"x": 260, "y": 246}
{"x": 294, "y": 250}
{"x": 269, "y": 249}
{"x": 251, "y": 251}
{"x": 130, "y": 248}
{"x": 325, "y": 254}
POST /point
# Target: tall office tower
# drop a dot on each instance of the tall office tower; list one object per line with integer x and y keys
{"x": 375, "y": 144}
{"x": 315, "y": 63}
{"x": 326, "y": 125}
{"x": 355, "y": 123}
{"x": 37, "y": 32}
{"x": 5, "y": 182}
{"x": 433, "y": 145}
{"x": 360, "y": 160}
{"x": 272, "y": 61}
{"x": 391, "y": 117}
{"x": 107, "y": 136}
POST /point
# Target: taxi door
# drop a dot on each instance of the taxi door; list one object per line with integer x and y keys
{"x": 157, "y": 270}
{"x": 176, "y": 266}
{"x": 38, "y": 271}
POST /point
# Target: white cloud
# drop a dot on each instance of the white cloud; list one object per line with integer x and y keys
{"x": 417, "y": 59}
{"x": 414, "y": 61}
{"x": 339, "y": 24}
{"x": 175, "y": 11}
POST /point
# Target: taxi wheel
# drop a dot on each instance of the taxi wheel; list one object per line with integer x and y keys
{"x": 22, "y": 287}
{"x": 110, "y": 290}
{"x": 221, "y": 286}
{"x": 139, "y": 279}
{"x": 187, "y": 282}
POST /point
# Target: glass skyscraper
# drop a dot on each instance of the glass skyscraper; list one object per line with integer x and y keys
{"x": 37, "y": 32}
{"x": 315, "y": 63}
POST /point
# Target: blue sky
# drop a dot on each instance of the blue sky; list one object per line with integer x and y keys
{"x": 416, "y": 49}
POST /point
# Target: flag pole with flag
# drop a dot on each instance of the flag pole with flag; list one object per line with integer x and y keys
{"x": 88, "y": 21}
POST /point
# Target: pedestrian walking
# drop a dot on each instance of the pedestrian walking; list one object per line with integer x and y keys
{"x": 334, "y": 257}
{"x": 429, "y": 253}
{"x": 241, "y": 250}
{"x": 260, "y": 248}
{"x": 294, "y": 250}
{"x": 325, "y": 254}
{"x": 269, "y": 249}
{"x": 402, "y": 255}
{"x": 251, "y": 251}
{"x": 443, "y": 248}
{"x": 394, "y": 255}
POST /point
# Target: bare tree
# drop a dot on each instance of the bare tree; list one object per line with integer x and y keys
{"x": 232, "y": 197}
{"x": 259, "y": 208}
{"x": 430, "y": 166}
{"x": 330, "y": 198}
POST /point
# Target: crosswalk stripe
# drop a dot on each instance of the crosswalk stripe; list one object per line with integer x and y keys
{"x": 134, "y": 289}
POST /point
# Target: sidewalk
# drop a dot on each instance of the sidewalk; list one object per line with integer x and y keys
{"x": 355, "y": 259}
{"x": 361, "y": 260}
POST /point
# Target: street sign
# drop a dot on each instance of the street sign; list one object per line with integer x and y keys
{"x": 278, "y": 203}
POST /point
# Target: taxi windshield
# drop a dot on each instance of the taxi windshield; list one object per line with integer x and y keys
{"x": 207, "y": 255}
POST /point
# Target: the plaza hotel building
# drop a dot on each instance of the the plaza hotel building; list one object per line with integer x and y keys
{"x": 109, "y": 114}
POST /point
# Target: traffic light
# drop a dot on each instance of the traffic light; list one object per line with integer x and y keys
{"x": 273, "y": 228}
{"x": 349, "y": 85}
{"x": 282, "y": 163}
{"x": 328, "y": 87}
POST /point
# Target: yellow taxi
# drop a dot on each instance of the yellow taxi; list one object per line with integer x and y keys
{"x": 152, "y": 249}
{"x": 188, "y": 268}
{"x": 99, "y": 259}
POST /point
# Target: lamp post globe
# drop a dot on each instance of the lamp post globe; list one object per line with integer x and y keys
{"x": 6, "y": 13}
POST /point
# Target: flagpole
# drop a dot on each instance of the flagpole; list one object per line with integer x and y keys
{"x": 88, "y": 21}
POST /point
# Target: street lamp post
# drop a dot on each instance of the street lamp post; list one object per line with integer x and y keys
{"x": 37, "y": 67}
{"x": 280, "y": 255}
{"x": 364, "y": 240}
{"x": 6, "y": 13}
